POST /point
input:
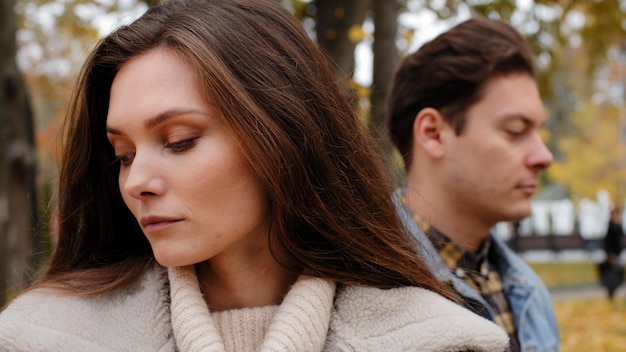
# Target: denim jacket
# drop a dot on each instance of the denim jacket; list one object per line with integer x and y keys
{"x": 528, "y": 297}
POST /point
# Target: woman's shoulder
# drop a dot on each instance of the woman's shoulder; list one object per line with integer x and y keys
{"x": 408, "y": 319}
{"x": 49, "y": 319}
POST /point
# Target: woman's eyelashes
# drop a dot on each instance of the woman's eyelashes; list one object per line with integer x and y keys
{"x": 181, "y": 146}
{"x": 125, "y": 158}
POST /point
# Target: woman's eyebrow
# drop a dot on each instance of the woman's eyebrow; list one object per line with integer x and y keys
{"x": 159, "y": 119}
{"x": 166, "y": 115}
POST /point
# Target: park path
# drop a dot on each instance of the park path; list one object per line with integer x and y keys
{"x": 584, "y": 292}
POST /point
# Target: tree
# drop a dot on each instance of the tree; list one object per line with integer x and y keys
{"x": 386, "y": 57}
{"x": 338, "y": 31}
{"x": 594, "y": 154}
{"x": 18, "y": 197}
{"x": 336, "y": 21}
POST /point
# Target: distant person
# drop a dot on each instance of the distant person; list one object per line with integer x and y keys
{"x": 218, "y": 193}
{"x": 611, "y": 270}
{"x": 465, "y": 113}
{"x": 614, "y": 235}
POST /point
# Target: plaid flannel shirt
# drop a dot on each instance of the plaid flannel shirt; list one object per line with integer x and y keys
{"x": 480, "y": 272}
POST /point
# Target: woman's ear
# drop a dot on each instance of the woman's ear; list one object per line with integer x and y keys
{"x": 428, "y": 132}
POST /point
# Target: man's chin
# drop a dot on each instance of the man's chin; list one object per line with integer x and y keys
{"x": 517, "y": 214}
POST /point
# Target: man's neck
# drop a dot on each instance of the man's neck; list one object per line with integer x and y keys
{"x": 460, "y": 226}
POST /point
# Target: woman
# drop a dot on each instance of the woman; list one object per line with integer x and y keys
{"x": 210, "y": 137}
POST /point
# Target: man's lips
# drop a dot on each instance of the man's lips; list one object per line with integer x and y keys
{"x": 528, "y": 188}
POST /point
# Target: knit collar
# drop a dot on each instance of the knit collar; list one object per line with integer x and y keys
{"x": 300, "y": 324}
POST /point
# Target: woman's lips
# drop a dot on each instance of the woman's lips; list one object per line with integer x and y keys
{"x": 156, "y": 223}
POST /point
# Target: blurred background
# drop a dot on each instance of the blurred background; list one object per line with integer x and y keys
{"x": 581, "y": 55}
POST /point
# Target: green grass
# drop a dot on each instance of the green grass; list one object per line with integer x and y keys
{"x": 564, "y": 274}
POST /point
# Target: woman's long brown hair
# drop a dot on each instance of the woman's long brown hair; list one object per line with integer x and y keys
{"x": 329, "y": 193}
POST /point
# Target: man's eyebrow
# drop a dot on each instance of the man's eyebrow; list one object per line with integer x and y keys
{"x": 528, "y": 121}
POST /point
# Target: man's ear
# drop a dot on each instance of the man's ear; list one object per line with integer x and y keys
{"x": 428, "y": 132}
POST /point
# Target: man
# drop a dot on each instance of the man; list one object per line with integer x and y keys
{"x": 611, "y": 270}
{"x": 465, "y": 113}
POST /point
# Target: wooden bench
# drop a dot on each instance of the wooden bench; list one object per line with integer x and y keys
{"x": 548, "y": 242}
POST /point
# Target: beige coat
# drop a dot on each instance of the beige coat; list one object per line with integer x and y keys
{"x": 313, "y": 316}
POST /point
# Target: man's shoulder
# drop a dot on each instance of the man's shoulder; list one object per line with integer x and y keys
{"x": 515, "y": 271}
{"x": 509, "y": 261}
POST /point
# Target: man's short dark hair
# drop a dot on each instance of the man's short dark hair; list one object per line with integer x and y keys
{"x": 448, "y": 74}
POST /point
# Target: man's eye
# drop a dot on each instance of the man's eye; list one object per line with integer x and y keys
{"x": 515, "y": 133}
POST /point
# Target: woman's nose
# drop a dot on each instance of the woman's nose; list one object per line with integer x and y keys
{"x": 142, "y": 178}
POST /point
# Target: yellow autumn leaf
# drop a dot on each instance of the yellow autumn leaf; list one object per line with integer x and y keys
{"x": 356, "y": 33}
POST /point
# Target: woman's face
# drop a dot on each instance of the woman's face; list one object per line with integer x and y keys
{"x": 182, "y": 172}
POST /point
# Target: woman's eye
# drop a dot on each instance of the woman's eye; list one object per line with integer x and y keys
{"x": 124, "y": 160}
{"x": 181, "y": 146}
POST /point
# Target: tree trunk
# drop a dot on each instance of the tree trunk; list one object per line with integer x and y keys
{"x": 6, "y": 12}
{"x": 333, "y": 23}
{"x": 19, "y": 241}
{"x": 384, "y": 65}
{"x": 152, "y": 3}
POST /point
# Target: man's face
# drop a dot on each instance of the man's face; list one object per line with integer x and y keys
{"x": 491, "y": 168}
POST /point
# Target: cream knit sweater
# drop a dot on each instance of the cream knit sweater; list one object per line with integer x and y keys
{"x": 164, "y": 311}
{"x": 300, "y": 323}
{"x": 244, "y": 329}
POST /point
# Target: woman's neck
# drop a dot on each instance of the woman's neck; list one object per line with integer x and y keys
{"x": 233, "y": 284}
